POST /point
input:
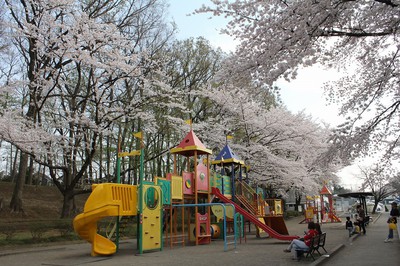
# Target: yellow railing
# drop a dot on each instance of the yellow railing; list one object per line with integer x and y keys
{"x": 273, "y": 207}
{"x": 242, "y": 188}
{"x": 247, "y": 196}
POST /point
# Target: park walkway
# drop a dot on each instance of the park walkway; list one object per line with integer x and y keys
{"x": 365, "y": 250}
{"x": 369, "y": 249}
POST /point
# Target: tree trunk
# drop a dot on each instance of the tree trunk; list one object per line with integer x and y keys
{"x": 100, "y": 176}
{"x": 375, "y": 206}
{"x": 69, "y": 207}
{"x": 30, "y": 172}
{"x": 13, "y": 165}
{"x": 16, "y": 200}
{"x": 108, "y": 160}
{"x": 298, "y": 197}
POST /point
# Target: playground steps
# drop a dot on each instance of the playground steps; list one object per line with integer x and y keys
{"x": 175, "y": 240}
{"x": 246, "y": 204}
{"x": 125, "y": 221}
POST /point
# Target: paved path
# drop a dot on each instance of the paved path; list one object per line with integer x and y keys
{"x": 368, "y": 250}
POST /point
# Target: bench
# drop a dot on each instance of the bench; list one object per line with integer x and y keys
{"x": 316, "y": 243}
{"x": 321, "y": 243}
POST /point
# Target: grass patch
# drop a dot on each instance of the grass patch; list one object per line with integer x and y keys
{"x": 289, "y": 214}
{"x": 33, "y": 232}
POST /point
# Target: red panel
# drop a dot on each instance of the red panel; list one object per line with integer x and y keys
{"x": 188, "y": 185}
{"x": 202, "y": 178}
{"x": 204, "y": 237}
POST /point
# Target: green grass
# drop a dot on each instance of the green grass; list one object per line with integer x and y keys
{"x": 32, "y": 232}
{"x": 26, "y": 239}
{"x": 42, "y": 232}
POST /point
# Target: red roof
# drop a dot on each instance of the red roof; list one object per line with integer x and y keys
{"x": 325, "y": 191}
{"x": 190, "y": 144}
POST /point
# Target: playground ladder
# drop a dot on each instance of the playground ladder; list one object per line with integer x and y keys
{"x": 246, "y": 204}
{"x": 173, "y": 236}
{"x": 246, "y": 196}
{"x": 112, "y": 226}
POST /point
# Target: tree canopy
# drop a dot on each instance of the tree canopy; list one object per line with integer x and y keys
{"x": 79, "y": 77}
{"x": 358, "y": 38}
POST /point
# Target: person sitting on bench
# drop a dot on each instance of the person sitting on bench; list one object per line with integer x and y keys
{"x": 298, "y": 244}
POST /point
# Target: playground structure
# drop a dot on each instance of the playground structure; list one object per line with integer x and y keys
{"x": 318, "y": 211}
{"x": 328, "y": 213}
{"x": 179, "y": 209}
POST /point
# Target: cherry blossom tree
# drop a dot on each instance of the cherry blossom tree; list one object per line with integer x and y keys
{"x": 357, "y": 38}
{"x": 93, "y": 71}
{"x": 189, "y": 65}
{"x": 83, "y": 74}
{"x": 377, "y": 180}
{"x": 284, "y": 151}
{"x": 395, "y": 183}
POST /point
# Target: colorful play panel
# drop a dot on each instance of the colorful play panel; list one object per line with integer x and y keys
{"x": 317, "y": 209}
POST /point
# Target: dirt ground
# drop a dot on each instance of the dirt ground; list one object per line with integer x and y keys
{"x": 39, "y": 203}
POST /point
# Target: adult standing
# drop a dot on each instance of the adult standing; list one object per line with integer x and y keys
{"x": 393, "y": 215}
{"x": 361, "y": 218}
{"x": 394, "y": 212}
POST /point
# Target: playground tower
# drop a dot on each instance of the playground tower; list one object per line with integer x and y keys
{"x": 195, "y": 189}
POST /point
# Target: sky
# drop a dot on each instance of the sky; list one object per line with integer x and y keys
{"x": 303, "y": 94}
{"x": 199, "y": 24}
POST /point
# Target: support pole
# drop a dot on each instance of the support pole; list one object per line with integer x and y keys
{"x": 224, "y": 208}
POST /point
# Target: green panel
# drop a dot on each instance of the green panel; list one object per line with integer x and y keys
{"x": 260, "y": 191}
{"x": 227, "y": 185}
{"x": 166, "y": 191}
{"x": 151, "y": 198}
{"x": 217, "y": 181}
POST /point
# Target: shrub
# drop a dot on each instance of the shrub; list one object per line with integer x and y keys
{"x": 9, "y": 231}
{"x": 38, "y": 229}
{"x": 292, "y": 214}
{"x": 64, "y": 227}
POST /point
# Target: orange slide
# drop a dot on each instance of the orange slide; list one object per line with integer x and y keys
{"x": 252, "y": 218}
{"x": 105, "y": 200}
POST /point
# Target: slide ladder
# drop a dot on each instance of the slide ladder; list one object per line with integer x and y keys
{"x": 252, "y": 218}
{"x": 246, "y": 204}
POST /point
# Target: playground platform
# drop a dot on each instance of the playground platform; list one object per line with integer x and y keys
{"x": 342, "y": 250}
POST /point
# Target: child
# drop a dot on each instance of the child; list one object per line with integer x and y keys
{"x": 356, "y": 227}
{"x": 349, "y": 226}
{"x": 392, "y": 226}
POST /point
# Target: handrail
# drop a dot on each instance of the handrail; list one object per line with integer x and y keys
{"x": 248, "y": 193}
{"x": 246, "y": 190}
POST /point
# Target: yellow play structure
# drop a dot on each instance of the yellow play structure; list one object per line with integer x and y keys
{"x": 119, "y": 200}
{"x": 105, "y": 200}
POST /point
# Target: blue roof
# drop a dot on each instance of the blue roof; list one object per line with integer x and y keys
{"x": 228, "y": 156}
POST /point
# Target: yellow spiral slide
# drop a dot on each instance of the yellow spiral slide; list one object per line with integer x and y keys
{"x": 106, "y": 199}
